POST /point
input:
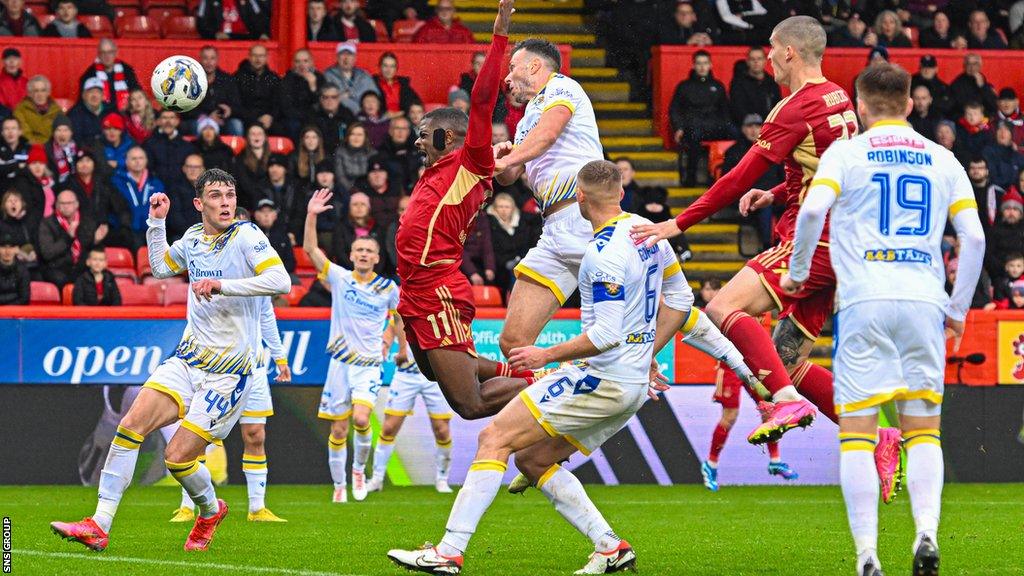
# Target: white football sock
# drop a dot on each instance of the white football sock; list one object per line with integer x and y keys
{"x": 363, "y": 438}
{"x": 167, "y": 432}
{"x": 186, "y": 502}
{"x": 787, "y": 394}
{"x": 337, "y": 457}
{"x": 859, "y": 480}
{"x": 925, "y": 476}
{"x": 255, "y": 468}
{"x": 194, "y": 477}
{"x": 478, "y": 491}
{"x": 116, "y": 475}
{"x": 566, "y": 492}
{"x": 381, "y": 456}
{"x": 443, "y": 459}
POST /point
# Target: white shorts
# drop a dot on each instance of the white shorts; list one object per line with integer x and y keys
{"x": 259, "y": 405}
{"x": 348, "y": 384}
{"x": 583, "y": 409}
{"x": 889, "y": 350}
{"x": 405, "y": 386}
{"x": 208, "y": 404}
{"x": 555, "y": 260}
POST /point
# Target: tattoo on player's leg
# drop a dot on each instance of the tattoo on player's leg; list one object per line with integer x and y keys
{"x": 788, "y": 342}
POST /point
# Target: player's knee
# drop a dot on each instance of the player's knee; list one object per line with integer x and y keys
{"x": 339, "y": 428}
{"x": 718, "y": 309}
{"x": 492, "y": 442}
{"x": 254, "y": 436}
{"x": 441, "y": 429}
{"x": 728, "y": 419}
{"x": 361, "y": 421}
{"x": 507, "y": 342}
{"x": 178, "y": 452}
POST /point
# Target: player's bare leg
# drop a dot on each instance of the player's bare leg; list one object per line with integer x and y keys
{"x": 924, "y": 483}
{"x": 363, "y": 439}
{"x": 182, "y": 459}
{"x": 457, "y": 375}
{"x": 859, "y": 481}
{"x": 337, "y": 458}
{"x": 254, "y": 466}
{"x": 150, "y": 410}
{"x": 530, "y": 306}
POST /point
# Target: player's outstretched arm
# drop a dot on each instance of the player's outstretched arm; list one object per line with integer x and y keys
{"x": 485, "y": 94}
{"x": 318, "y": 204}
{"x": 160, "y": 258}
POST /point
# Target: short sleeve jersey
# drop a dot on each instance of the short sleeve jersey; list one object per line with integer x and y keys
{"x": 223, "y": 335}
{"x": 796, "y": 133}
{"x": 896, "y": 190}
{"x": 552, "y": 175}
{"x": 359, "y": 313}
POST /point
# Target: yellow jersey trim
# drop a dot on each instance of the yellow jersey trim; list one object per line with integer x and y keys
{"x": 195, "y": 428}
{"x": 672, "y": 270}
{"x": 961, "y": 205}
{"x": 890, "y": 123}
{"x": 566, "y": 103}
{"x": 826, "y": 182}
{"x": 532, "y": 407}
{"x": 273, "y": 261}
{"x": 691, "y": 320}
{"x": 171, "y": 263}
{"x": 174, "y": 396}
{"x": 523, "y": 270}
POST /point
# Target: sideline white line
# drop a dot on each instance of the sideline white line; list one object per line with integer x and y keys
{"x": 178, "y": 563}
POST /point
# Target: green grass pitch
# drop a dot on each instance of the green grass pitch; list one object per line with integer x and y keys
{"x": 680, "y": 530}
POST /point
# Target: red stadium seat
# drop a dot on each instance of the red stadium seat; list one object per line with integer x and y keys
{"x": 161, "y": 13}
{"x": 37, "y": 8}
{"x": 163, "y": 281}
{"x": 128, "y": 273}
{"x": 123, "y": 281}
{"x": 137, "y": 27}
{"x": 135, "y": 295}
{"x": 142, "y": 262}
{"x": 176, "y": 294}
{"x": 381, "y": 30}
{"x": 119, "y": 258}
{"x": 716, "y": 155}
{"x": 43, "y": 293}
{"x": 98, "y": 25}
{"x": 307, "y": 281}
{"x": 280, "y": 145}
{"x": 67, "y": 294}
{"x": 296, "y": 295}
{"x": 122, "y": 11}
{"x": 914, "y": 33}
{"x": 64, "y": 103}
{"x": 123, "y": 3}
{"x": 303, "y": 265}
{"x": 180, "y": 28}
{"x": 148, "y": 5}
{"x": 487, "y": 296}
{"x": 404, "y": 30}
{"x": 236, "y": 143}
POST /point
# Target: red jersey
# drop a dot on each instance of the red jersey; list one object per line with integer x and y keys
{"x": 797, "y": 132}
{"x": 449, "y": 195}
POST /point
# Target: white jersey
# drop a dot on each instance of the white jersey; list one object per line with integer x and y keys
{"x": 359, "y": 313}
{"x": 223, "y": 335}
{"x": 620, "y": 289}
{"x": 552, "y": 175}
{"x": 895, "y": 190}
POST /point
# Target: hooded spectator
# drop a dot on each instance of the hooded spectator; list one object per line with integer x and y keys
{"x": 13, "y": 150}
{"x": 258, "y": 89}
{"x": 396, "y": 90}
{"x": 331, "y": 117}
{"x": 96, "y": 285}
{"x": 444, "y": 27}
{"x": 36, "y": 183}
{"x": 61, "y": 149}
{"x": 87, "y": 114}
{"x": 114, "y": 141}
{"x": 65, "y": 239}
{"x": 352, "y": 159}
{"x": 136, "y": 184}
{"x": 16, "y": 21}
{"x": 37, "y": 110}
{"x": 215, "y": 153}
{"x": 66, "y": 24}
{"x": 13, "y": 82}
{"x": 281, "y": 188}
{"x": 300, "y": 88}
{"x": 15, "y": 283}
{"x": 233, "y": 19}
{"x": 117, "y": 76}
{"x": 353, "y": 81}
{"x": 98, "y": 198}
{"x": 167, "y": 149}
{"x": 222, "y": 102}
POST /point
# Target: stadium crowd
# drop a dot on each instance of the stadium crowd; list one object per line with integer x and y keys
{"x": 78, "y": 180}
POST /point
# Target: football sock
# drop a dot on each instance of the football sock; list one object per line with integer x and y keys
{"x": 195, "y": 479}
{"x": 167, "y": 432}
{"x": 718, "y": 438}
{"x": 701, "y": 333}
{"x": 859, "y": 480}
{"x": 758, "y": 350}
{"x": 363, "y": 439}
{"x": 815, "y": 384}
{"x": 337, "y": 457}
{"x": 186, "y": 501}
{"x": 478, "y": 491}
{"x": 255, "y": 468}
{"x": 504, "y": 370}
{"x": 116, "y": 475}
{"x": 443, "y": 458}
{"x": 564, "y": 490}
{"x": 773, "y": 453}
{"x": 381, "y": 455}
{"x": 924, "y": 480}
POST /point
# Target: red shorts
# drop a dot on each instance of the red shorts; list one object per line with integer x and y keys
{"x": 813, "y": 305}
{"x": 728, "y": 388}
{"x": 439, "y": 316}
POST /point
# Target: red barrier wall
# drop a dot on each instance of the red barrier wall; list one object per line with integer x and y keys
{"x": 671, "y": 65}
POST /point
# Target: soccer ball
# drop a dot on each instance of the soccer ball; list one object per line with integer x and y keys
{"x": 179, "y": 83}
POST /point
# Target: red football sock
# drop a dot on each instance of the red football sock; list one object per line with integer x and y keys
{"x": 773, "y": 451}
{"x": 718, "y": 442}
{"x": 758, "y": 350}
{"x": 815, "y": 384}
{"x": 503, "y": 369}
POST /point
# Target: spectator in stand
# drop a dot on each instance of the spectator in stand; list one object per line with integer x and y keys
{"x": 136, "y": 185}
{"x": 183, "y": 213}
{"x": 928, "y": 76}
{"x": 945, "y": 135}
{"x": 988, "y": 195}
{"x": 222, "y": 100}
{"x": 384, "y": 193}
{"x": 37, "y": 110}
{"x": 1008, "y": 110}
{"x": 308, "y": 154}
{"x": 459, "y": 99}
{"x": 299, "y": 89}
{"x": 888, "y": 31}
{"x": 167, "y": 149}
{"x": 117, "y": 76}
{"x": 1004, "y": 160}
{"x": 372, "y": 116}
{"x": 114, "y": 141}
{"x": 215, "y": 153}
{"x": 982, "y": 299}
{"x": 513, "y": 233}
{"x": 233, "y": 19}
{"x": 708, "y": 290}
{"x": 743, "y": 23}
{"x": 971, "y": 86}
{"x": 400, "y": 155}
{"x": 973, "y": 128}
{"x": 923, "y": 117}
{"x": 415, "y": 114}
{"x": 66, "y": 25}
{"x": 36, "y": 183}
{"x": 761, "y": 219}
{"x": 1009, "y": 276}
{"x": 390, "y": 251}
{"x": 980, "y": 36}
{"x": 444, "y": 27}
{"x": 478, "y": 263}
{"x": 396, "y": 90}
{"x": 266, "y": 217}
{"x": 352, "y": 159}
{"x": 16, "y": 21}
{"x": 13, "y": 82}
{"x": 1006, "y": 242}
{"x": 251, "y": 166}
{"x": 17, "y": 221}
{"x": 65, "y": 238}
{"x": 651, "y": 202}
{"x": 96, "y": 286}
{"x": 61, "y": 149}
{"x": 328, "y": 221}
{"x": 15, "y": 282}
{"x": 258, "y": 89}
{"x": 466, "y": 81}
{"x": 320, "y": 28}
{"x": 356, "y": 224}
{"x": 752, "y": 90}
{"x": 939, "y": 35}
{"x": 88, "y": 113}
{"x": 98, "y": 198}
{"x": 281, "y": 188}
{"x": 351, "y": 80}
{"x": 140, "y": 121}
{"x": 13, "y": 150}
{"x": 391, "y": 10}
{"x": 852, "y": 36}
{"x": 684, "y": 28}
{"x": 353, "y": 27}
{"x": 331, "y": 117}
{"x": 699, "y": 111}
